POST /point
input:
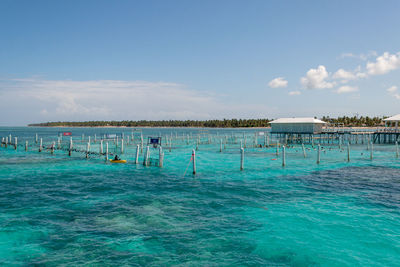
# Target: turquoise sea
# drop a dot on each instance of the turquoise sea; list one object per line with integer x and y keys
{"x": 57, "y": 210}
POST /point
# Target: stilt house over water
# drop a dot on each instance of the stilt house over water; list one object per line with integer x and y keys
{"x": 393, "y": 122}
{"x": 297, "y": 126}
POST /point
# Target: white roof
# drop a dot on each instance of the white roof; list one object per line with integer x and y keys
{"x": 393, "y": 118}
{"x": 297, "y": 120}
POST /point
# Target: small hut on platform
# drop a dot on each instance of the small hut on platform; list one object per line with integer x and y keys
{"x": 297, "y": 126}
{"x": 393, "y": 122}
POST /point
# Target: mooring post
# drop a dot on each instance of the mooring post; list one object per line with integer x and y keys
{"x": 83, "y": 137}
{"x": 116, "y": 144}
{"x": 53, "y": 145}
{"x": 87, "y": 150}
{"x": 194, "y": 161}
{"x": 304, "y": 150}
{"x": 15, "y": 142}
{"x": 36, "y": 138}
{"x": 348, "y": 151}
{"x": 26, "y": 145}
{"x": 283, "y": 156}
{"x": 397, "y": 149}
{"x": 106, "y": 151}
{"x": 160, "y": 157}
{"x": 89, "y": 139}
{"x": 95, "y": 138}
{"x": 101, "y": 147}
{"x": 319, "y": 154}
{"x": 146, "y": 156}
{"x": 70, "y": 147}
{"x": 137, "y": 154}
{"x": 371, "y": 155}
{"x": 220, "y": 146}
{"x": 6, "y": 143}
{"x": 241, "y": 158}
{"x": 122, "y": 146}
{"x": 40, "y": 145}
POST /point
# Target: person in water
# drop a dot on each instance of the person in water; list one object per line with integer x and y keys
{"x": 116, "y": 157}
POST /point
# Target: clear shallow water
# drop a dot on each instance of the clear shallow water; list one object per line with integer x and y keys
{"x": 56, "y": 210}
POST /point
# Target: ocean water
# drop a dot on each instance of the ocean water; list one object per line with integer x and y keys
{"x": 60, "y": 210}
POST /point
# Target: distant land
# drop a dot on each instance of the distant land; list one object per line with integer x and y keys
{"x": 225, "y": 123}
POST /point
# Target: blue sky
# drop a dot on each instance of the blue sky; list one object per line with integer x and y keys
{"x": 115, "y": 60}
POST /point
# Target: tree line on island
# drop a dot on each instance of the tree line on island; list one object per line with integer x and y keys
{"x": 225, "y": 123}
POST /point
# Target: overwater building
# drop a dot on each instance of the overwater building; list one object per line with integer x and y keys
{"x": 297, "y": 126}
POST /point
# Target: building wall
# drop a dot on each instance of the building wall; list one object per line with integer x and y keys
{"x": 296, "y": 127}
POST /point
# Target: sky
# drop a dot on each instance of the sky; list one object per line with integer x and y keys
{"x": 159, "y": 60}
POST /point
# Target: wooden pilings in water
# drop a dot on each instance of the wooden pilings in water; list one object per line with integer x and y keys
{"x": 241, "y": 158}
{"x": 194, "y": 161}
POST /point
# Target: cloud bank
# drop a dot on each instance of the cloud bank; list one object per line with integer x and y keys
{"x": 49, "y": 100}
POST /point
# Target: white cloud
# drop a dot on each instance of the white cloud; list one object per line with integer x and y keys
{"x": 316, "y": 79}
{"x": 392, "y": 89}
{"x": 346, "y": 89}
{"x": 279, "y": 82}
{"x": 384, "y": 64}
{"x": 359, "y": 56}
{"x": 294, "y": 93}
{"x": 49, "y": 100}
{"x": 342, "y": 74}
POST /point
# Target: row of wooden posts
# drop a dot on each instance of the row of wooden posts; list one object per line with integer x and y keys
{"x": 139, "y": 148}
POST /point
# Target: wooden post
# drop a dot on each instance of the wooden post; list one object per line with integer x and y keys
{"x": 70, "y": 147}
{"x": 36, "y": 138}
{"x": 146, "y": 156}
{"x": 87, "y": 150}
{"x": 106, "y": 151}
{"x": 348, "y": 151}
{"x": 160, "y": 157}
{"x": 6, "y": 143}
{"x": 194, "y": 161}
{"x": 241, "y": 158}
{"x": 40, "y": 145}
{"x": 122, "y": 146}
{"x": 15, "y": 142}
{"x": 137, "y": 154}
{"x": 26, "y": 145}
{"x": 319, "y": 154}
{"x": 283, "y": 156}
{"x": 95, "y": 138}
{"x": 304, "y": 150}
{"x": 397, "y": 150}
{"x": 220, "y": 146}
{"x": 101, "y": 147}
{"x": 371, "y": 155}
